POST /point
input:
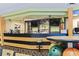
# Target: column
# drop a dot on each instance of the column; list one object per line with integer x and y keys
{"x": 70, "y": 26}
{"x": 70, "y": 22}
{"x": 2, "y": 29}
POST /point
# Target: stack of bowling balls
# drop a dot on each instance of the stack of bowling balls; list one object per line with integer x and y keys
{"x": 76, "y": 45}
{"x": 72, "y": 51}
{"x": 62, "y": 50}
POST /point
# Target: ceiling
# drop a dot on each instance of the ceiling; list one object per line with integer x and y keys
{"x": 6, "y": 8}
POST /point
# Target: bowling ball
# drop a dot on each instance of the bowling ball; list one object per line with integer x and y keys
{"x": 71, "y": 52}
{"x": 64, "y": 45}
{"x": 51, "y": 45}
{"x": 55, "y": 50}
{"x": 77, "y": 46}
{"x": 54, "y": 43}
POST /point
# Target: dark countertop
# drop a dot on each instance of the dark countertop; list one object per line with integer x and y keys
{"x": 17, "y": 35}
{"x": 25, "y": 35}
{"x": 38, "y": 35}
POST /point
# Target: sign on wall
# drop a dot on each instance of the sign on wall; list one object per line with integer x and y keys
{"x": 7, "y": 52}
{"x": 44, "y": 26}
{"x": 10, "y": 25}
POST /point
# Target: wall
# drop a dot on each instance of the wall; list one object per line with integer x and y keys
{"x": 75, "y": 22}
{"x": 11, "y": 25}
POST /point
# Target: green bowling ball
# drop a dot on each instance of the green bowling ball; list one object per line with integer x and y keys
{"x": 53, "y": 44}
{"x": 55, "y": 50}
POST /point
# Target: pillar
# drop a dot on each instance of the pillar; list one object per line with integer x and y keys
{"x": 2, "y": 29}
{"x": 70, "y": 22}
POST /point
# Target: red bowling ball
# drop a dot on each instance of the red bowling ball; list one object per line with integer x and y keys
{"x": 77, "y": 45}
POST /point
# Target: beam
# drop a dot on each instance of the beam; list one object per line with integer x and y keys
{"x": 70, "y": 22}
{"x": 26, "y": 46}
{"x": 2, "y": 29}
{"x": 25, "y": 39}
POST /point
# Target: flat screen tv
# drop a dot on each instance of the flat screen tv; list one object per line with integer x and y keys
{"x": 55, "y": 21}
{"x": 34, "y": 23}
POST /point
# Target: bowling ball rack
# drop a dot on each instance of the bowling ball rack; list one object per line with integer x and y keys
{"x": 69, "y": 39}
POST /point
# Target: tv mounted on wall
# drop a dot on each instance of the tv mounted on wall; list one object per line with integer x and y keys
{"x": 34, "y": 23}
{"x": 55, "y": 21}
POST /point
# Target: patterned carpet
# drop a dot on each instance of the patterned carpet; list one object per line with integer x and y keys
{"x": 31, "y": 52}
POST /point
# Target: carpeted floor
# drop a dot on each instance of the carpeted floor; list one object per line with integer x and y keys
{"x": 31, "y": 52}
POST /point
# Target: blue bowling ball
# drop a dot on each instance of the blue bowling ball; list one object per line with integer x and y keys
{"x": 55, "y": 50}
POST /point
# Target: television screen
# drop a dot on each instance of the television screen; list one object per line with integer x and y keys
{"x": 55, "y": 22}
{"x": 34, "y": 23}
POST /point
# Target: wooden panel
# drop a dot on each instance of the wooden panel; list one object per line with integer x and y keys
{"x": 26, "y": 46}
{"x": 25, "y": 39}
{"x": 2, "y": 29}
{"x": 2, "y": 24}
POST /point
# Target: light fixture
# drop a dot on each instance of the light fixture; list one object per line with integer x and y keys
{"x": 71, "y": 3}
